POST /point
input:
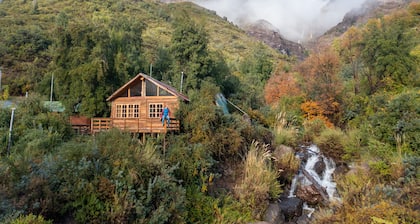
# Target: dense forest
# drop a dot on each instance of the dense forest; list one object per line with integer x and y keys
{"x": 357, "y": 98}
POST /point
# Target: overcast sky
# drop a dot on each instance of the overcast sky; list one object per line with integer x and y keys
{"x": 294, "y": 19}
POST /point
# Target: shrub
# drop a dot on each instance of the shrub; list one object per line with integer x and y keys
{"x": 365, "y": 200}
{"x": 30, "y": 219}
{"x": 38, "y": 142}
{"x": 380, "y": 169}
{"x": 396, "y": 115}
{"x": 229, "y": 210}
{"x": 355, "y": 142}
{"x": 412, "y": 168}
{"x": 286, "y": 137}
{"x": 200, "y": 208}
{"x": 380, "y": 150}
{"x": 194, "y": 163}
{"x": 330, "y": 141}
{"x": 226, "y": 143}
{"x": 312, "y": 129}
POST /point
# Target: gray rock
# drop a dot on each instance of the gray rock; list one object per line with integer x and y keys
{"x": 309, "y": 194}
{"x": 291, "y": 208}
{"x": 273, "y": 214}
{"x": 319, "y": 167}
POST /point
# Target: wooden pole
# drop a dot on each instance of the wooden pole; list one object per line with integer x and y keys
{"x": 164, "y": 145}
{"x": 52, "y": 87}
{"x": 0, "y": 80}
{"x": 9, "y": 143}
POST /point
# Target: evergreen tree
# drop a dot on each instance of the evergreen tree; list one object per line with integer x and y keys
{"x": 189, "y": 48}
{"x": 92, "y": 59}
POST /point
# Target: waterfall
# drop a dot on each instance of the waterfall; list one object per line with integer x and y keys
{"x": 293, "y": 186}
{"x": 324, "y": 180}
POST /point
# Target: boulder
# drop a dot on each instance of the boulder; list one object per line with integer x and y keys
{"x": 341, "y": 169}
{"x": 291, "y": 208}
{"x": 273, "y": 214}
{"x": 310, "y": 194}
{"x": 282, "y": 150}
{"x": 319, "y": 167}
{"x": 304, "y": 219}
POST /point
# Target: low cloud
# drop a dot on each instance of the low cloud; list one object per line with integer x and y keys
{"x": 296, "y": 20}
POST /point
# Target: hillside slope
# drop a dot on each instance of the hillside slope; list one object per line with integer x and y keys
{"x": 358, "y": 17}
{"x": 29, "y": 30}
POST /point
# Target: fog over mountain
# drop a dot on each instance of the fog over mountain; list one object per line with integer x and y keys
{"x": 296, "y": 20}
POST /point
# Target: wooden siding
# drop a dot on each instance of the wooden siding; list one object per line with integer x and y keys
{"x": 171, "y": 101}
{"x": 143, "y": 123}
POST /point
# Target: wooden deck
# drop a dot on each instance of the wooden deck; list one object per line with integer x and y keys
{"x": 133, "y": 125}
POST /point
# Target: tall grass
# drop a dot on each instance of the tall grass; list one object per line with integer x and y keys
{"x": 259, "y": 183}
{"x": 284, "y": 132}
{"x": 286, "y": 162}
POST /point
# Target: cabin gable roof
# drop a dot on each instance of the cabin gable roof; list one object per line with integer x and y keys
{"x": 138, "y": 78}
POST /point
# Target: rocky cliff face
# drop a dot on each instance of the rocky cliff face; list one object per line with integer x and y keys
{"x": 265, "y": 32}
{"x": 371, "y": 9}
{"x": 270, "y": 35}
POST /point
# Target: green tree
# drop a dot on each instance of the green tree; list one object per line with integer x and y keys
{"x": 163, "y": 64}
{"x": 258, "y": 64}
{"x": 25, "y": 52}
{"x": 349, "y": 51}
{"x": 93, "y": 58}
{"x": 189, "y": 48}
{"x": 386, "y": 46}
{"x": 396, "y": 119}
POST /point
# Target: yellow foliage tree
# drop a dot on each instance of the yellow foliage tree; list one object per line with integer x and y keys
{"x": 312, "y": 111}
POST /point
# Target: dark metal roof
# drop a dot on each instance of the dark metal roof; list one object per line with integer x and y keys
{"x": 162, "y": 85}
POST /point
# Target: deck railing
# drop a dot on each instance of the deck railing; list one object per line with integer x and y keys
{"x": 100, "y": 124}
{"x": 133, "y": 125}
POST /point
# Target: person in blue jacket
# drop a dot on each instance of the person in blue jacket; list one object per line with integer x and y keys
{"x": 166, "y": 113}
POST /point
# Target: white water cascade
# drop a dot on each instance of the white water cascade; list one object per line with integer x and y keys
{"x": 324, "y": 180}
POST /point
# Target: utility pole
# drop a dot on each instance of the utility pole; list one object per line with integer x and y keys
{"x": 52, "y": 87}
{"x": 0, "y": 80}
{"x": 9, "y": 144}
{"x": 151, "y": 69}
{"x": 182, "y": 80}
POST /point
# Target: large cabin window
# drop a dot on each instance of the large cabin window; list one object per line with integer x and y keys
{"x": 163, "y": 92}
{"x": 155, "y": 109}
{"x": 151, "y": 89}
{"x": 135, "y": 90}
{"x": 127, "y": 111}
{"x": 124, "y": 93}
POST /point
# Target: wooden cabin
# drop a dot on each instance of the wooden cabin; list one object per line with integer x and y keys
{"x": 80, "y": 124}
{"x": 136, "y": 107}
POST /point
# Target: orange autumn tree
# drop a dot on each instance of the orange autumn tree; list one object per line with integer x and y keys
{"x": 312, "y": 111}
{"x": 281, "y": 83}
{"x": 321, "y": 83}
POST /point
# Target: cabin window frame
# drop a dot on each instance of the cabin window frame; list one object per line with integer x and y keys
{"x": 155, "y": 110}
{"x": 127, "y": 110}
